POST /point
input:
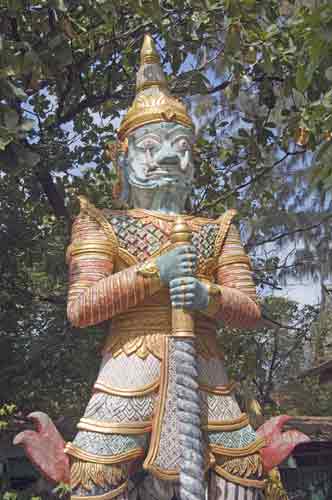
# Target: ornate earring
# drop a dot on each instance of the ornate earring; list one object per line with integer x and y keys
{"x": 112, "y": 151}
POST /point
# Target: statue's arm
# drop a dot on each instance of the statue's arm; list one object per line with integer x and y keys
{"x": 95, "y": 293}
{"x": 236, "y": 305}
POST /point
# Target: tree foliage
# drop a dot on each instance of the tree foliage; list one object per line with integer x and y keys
{"x": 270, "y": 359}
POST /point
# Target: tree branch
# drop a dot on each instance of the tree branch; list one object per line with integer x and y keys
{"x": 289, "y": 233}
{"x": 272, "y": 322}
{"x": 253, "y": 179}
{"x": 55, "y": 199}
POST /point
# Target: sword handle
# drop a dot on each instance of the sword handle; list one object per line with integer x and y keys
{"x": 182, "y": 320}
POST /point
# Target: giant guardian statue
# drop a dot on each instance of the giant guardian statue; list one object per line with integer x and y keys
{"x": 161, "y": 280}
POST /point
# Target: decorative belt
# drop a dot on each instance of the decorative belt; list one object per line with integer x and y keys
{"x": 138, "y": 330}
{"x": 154, "y": 319}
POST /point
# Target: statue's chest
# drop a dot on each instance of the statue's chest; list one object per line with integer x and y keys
{"x": 144, "y": 237}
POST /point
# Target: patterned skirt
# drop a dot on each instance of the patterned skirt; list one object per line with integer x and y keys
{"x": 131, "y": 418}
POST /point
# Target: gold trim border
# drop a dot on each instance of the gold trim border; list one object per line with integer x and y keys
{"x": 227, "y": 425}
{"x": 238, "y": 452}
{"x": 165, "y": 475}
{"x": 89, "y": 424}
{"x": 99, "y": 217}
{"x": 225, "y": 221}
{"x": 89, "y": 247}
{"x": 234, "y": 259}
{"x": 134, "y": 121}
{"x": 150, "y": 83}
{"x": 242, "y": 481}
{"x": 160, "y": 408}
{"x": 173, "y": 475}
{"x": 219, "y": 390}
{"x": 74, "y": 451}
{"x": 143, "y": 213}
{"x": 106, "y": 496}
{"x": 127, "y": 257}
{"x": 128, "y": 393}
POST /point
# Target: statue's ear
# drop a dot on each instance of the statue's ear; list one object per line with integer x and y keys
{"x": 117, "y": 153}
{"x": 124, "y": 186}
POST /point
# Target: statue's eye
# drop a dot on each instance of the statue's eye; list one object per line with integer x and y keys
{"x": 148, "y": 144}
{"x": 182, "y": 144}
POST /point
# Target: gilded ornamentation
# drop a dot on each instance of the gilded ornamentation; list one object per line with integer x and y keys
{"x": 76, "y": 452}
{"x": 222, "y": 390}
{"x": 149, "y": 268}
{"x": 274, "y": 489}
{"x": 228, "y": 425}
{"x": 128, "y": 428}
{"x": 225, "y": 222}
{"x": 153, "y": 102}
{"x": 243, "y": 481}
{"x": 234, "y": 259}
{"x": 214, "y": 292}
{"x": 87, "y": 474}
{"x": 90, "y": 248}
{"x": 249, "y": 466}
{"x": 114, "y": 493}
{"x": 127, "y": 393}
{"x": 96, "y": 214}
{"x": 238, "y": 452}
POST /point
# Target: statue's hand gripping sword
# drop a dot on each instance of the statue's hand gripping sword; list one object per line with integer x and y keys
{"x": 187, "y": 391}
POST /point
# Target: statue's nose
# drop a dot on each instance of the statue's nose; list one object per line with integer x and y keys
{"x": 166, "y": 156}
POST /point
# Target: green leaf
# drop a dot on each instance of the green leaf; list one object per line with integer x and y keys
{"x": 5, "y": 138}
{"x": 298, "y": 98}
{"x": 301, "y": 79}
{"x": 11, "y": 119}
{"x": 56, "y": 41}
{"x": 27, "y": 125}
{"x": 60, "y": 5}
{"x": 328, "y": 73}
{"x": 17, "y": 91}
{"x": 9, "y": 496}
{"x": 30, "y": 158}
{"x": 326, "y": 146}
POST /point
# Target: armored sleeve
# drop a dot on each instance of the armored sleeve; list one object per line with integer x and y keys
{"x": 97, "y": 293}
{"x": 238, "y": 307}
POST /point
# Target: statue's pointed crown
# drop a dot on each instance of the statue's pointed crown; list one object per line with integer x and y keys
{"x": 153, "y": 102}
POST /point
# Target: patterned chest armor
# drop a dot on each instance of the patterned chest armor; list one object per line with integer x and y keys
{"x": 145, "y": 236}
{"x": 140, "y": 237}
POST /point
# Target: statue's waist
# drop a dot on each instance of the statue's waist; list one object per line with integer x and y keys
{"x": 155, "y": 319}
{"x": 138, "y": 330}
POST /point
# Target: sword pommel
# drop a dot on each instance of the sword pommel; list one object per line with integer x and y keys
{"x": 182, "y": 320}
{"x": 181, "y": 232}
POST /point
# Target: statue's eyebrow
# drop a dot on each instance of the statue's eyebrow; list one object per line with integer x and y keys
{"x": 181, "y": 130}
{"x": 147, "y": 135}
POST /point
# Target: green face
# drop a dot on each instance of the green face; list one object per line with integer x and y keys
{"x": 160, "y": 157}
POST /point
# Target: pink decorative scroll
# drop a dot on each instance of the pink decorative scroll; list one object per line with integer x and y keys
{"x": 45, "y": 448}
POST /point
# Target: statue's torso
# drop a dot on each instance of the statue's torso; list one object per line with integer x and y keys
{"x": 140, "y": 235}
{"x": 135, "y": 391}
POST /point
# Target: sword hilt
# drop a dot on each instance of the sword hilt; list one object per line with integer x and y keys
{"x": 182, "y": 320}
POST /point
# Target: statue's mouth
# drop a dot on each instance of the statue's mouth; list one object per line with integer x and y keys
{"x": 164, "y": 171}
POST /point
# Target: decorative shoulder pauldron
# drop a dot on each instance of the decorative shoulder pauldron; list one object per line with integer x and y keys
{"x": 138, "y": 235}
{"x": 209, "y": 240}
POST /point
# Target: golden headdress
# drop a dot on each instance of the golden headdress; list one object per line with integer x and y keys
{"x": 153, "y": 102}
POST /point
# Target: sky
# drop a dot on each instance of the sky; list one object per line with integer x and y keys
{"x": 306, "y": 291}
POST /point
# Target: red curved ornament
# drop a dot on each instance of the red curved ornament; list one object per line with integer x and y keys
{"x": 45, "y": 448}
{"x": 279, "y": 445}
